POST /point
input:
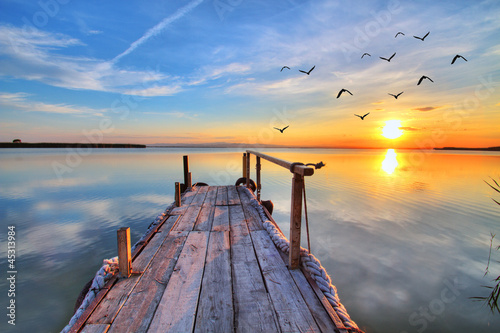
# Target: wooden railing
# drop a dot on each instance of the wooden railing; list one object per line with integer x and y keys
{"x": 299, "y": 172}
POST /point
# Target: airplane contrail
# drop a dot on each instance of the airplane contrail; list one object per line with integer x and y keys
{"x": 157, "y": 29}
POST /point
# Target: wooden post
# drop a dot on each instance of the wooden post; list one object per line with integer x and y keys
{"x": 247, "y": 176}
{"x": 295, "y": 220}
{"x": 187, "y": 183}
{"x": 258, "y": 167}
{"x": 124, "y": 253}
{"x": 177, "y": 194}
{"x": 244, "y": 164}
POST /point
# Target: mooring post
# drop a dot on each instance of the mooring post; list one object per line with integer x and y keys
{"x": 124, "y": 253}
{"x": 258, "y": 167}
{"x": 295, "y": 220}
{"x": 187, "y": 181}
{"x": 177, "y": 194}
{"x": 247, "y": 175}
{"x": 190, "y": 182}
{"x": 244, "y": 164}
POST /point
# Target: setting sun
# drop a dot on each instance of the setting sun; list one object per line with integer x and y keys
{"x": 391, "y": 129}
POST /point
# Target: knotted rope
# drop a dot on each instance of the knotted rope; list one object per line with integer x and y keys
{"x": 310, "y": 263}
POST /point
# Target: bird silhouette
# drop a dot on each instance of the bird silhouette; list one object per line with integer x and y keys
{"x": 368, "y": 54}
{"x": 362, "y": 117}
{"x": 343, "y": 90}
{"x": 399, "y": 33}
{"x": 389, "y": 60}
{"x": 456, "y": 57}
{"x": 424, "y": 77}
{"x": 282, "y": 68}
{"x": 396, "y": 96}
{"x": 307, "y": 72}
{"x": 422, "y": 38}
{"x": 281, "y": 129}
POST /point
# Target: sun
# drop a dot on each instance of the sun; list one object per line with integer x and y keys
{"x": 391, "y": 129}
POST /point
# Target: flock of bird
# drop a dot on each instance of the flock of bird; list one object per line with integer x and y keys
{"x": 343, "y": 90}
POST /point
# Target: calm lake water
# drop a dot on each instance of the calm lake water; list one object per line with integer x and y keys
{"x": 404, "y": 234}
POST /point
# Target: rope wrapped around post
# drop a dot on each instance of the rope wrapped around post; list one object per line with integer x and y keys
{"x": 311, "y": 264}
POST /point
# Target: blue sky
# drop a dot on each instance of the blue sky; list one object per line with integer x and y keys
{"x": 209, "y": 71}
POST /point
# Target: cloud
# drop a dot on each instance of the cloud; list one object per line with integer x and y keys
{"x": 409, "y": 128}
{"x": 157, "y": 29}
{"x": 427, "y": 108}
{"x": 20, "y": 101}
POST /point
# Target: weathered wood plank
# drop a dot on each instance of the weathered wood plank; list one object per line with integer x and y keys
{"x": 200, "y": 196}
{"x": 291, "y": 309}
{"x": 232, "y": 196}
{"x": 107, "y": 310}
{"x": 323, "y": 320}
{"x": 221, "y": 219}
{"x": 137, "y": 312}
{"x": 177, "y": 308}
{"x": 221, "y": 196}
{"x": 252, "y": 216}
{"x": 188, "y": 196}
{"x": 253, "y": 311}
{"x": 215, "y": 308}
{"x": 205, "y": 218}
{"x": 211, "y": 196}
{"x": 188, "y": 219}
{"x": 95, "y": 328}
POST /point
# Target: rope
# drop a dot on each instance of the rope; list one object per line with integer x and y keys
{"x": 311, "y": 264}
{"x": 106, "y": 272}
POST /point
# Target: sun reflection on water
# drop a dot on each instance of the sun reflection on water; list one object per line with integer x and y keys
{"x": 390, "y": 163}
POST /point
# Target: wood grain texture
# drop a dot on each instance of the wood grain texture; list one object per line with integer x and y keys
{"x": 221, "y": 196}
{"x": 291, "y": 309}
{"x": 252, "y": 217}
{"x": 95, "y": 328}
{"x": 177, "y": 308}
{"x": 138, "y": 311}
{"x": 253, "y": 311}
{"x": 215, "y": 308}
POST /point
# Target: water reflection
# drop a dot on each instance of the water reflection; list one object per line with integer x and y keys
{"x": 390, "y": 163}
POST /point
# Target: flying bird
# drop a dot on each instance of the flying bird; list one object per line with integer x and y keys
{"x": 399, "y": 33}
{"x": 362, "y": 117}
{"x": 456, "y": 57}
{"x": 281, "y": 130}
{"x": 368, "y": 54}
{"x": 422, "y": 38}
{"x": 307, "y": 72}
{"x": 424, "y": 77}
{"x": 389, "y": 60}
{"x": 343, "y": 90}
{"x": 396, "y": 96}
{"x": 284, "y": 68}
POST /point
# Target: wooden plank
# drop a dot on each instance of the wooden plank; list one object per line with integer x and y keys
{"x": 188, "y": 219}
{"x": 107, "y": 310}
{"x": 221, "y": 196}
{"x": 253, "y": 311}
{"x": 221, "y": 218}
{"x": 177, "y": 308}
{"x": 233, "y": 197}
{"x": 200, "y": 196}
{"x": 252, "y": 216}
{"x": 138, "y": 311}
{"x": 95, "y": 328}
{"x": 323, "y": 320}
{"x": 291, "y": 309}
{"x": 188, "y": 196}
{"x": 211, "y": 196}
{"x": 300, "y": 169}
{"x": 215, "y": 309}
{"x": 205, "y": 218}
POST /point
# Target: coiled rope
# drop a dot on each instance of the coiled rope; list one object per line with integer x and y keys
{"x": 106, "y": 272}
{"x": 310, "y": 263}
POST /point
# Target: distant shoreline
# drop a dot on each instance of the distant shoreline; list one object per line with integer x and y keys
{"x": 478, "y": 149}
{"x": 68, "y": 145}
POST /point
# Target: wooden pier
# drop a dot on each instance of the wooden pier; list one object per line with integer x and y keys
{"x": 210, "y": 266}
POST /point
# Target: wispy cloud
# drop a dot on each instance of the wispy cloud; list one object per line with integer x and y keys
{"x": 157, "y": 29}
{"x": 20, "y": 101}
{"x": 427, "y": 108}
